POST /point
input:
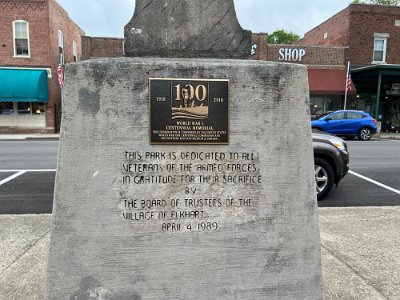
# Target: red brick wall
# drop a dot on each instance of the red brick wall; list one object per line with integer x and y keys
{"x": 59, "y": 20}
{"x": 367, "y": 20}
{"x": 34, "y": 12}
{"x": 94, "y": 47}
{"x": 45, "y": 18}
{"x": 261, "y": 51}
{"x": 336, "y": 29}
{"x": 355, "y": 27}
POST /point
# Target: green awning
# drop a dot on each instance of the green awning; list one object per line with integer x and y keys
{"x": 23, "y": 85}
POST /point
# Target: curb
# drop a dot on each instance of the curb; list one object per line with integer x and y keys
{"x": 15, "y": 137}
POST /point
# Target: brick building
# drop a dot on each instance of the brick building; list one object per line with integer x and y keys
{"x": 326, "y": 67}
{"x": 96, "y": 47}
{"x": 35, "y": 37}
{"x": 371, "y": 34}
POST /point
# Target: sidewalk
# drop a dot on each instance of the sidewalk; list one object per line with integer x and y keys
{"x": 360, "y": 254}
{"x": 390, "y": 135}
{"x": 29, "y": 136}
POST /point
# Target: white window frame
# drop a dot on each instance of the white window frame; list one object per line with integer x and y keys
{"x": 380, "y": 37}
{"x": 60, "y": 38}
{"x": 27, "y": 36}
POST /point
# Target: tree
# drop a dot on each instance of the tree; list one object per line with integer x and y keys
{"x": 379, "y": 2}
{"x": 281, "y": 36}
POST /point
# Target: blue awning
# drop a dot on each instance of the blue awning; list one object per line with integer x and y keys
{"x": 23, "y": 85}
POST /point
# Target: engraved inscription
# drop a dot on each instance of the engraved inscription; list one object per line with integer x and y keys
{"x": 197, "y": 179}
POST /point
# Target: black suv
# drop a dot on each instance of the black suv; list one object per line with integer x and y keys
{"x": 331, "y": 161}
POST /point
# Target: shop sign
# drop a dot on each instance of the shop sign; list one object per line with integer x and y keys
{"x": 291, "y": 54}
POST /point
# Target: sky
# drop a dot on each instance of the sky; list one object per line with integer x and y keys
{"x": 107, "y": 18}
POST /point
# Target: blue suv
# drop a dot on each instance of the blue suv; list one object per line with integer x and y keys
{"x": 349, "y": 123}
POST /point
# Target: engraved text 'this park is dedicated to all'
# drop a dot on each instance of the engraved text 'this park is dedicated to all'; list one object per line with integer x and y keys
{"x": 195, "y": 206}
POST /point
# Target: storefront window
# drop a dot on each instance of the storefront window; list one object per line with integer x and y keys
{"x": 393, "y": 113}
{"x": 363, "y": 102}
{"x": 24, "y": 108}
{"x": 317, "y": 106}
{"x": 332, "y": 103}
{"x": 7, "y": 108}
{"x": 30, "y": 108}
{"x": 323, "y": 103}
{"x": 22, "y": 114}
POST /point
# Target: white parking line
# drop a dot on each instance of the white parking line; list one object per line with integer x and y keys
{"x": 21, "y": 172}
{"x": 12, "y": 177}
{"x": 375, "y": 182}
{"x": 36, "y": 170}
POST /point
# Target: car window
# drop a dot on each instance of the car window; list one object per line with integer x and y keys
{"x": 338, "y": 116}
{"x": 323, "y": 115}
{"x": 353, "y": 115}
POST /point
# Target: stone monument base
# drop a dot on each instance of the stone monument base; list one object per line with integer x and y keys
{"x": 134, "y": 220}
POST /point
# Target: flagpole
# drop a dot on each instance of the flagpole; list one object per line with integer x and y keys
{"x": 345, "y": 89}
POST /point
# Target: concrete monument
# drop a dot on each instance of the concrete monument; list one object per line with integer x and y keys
{"x": 185, "y": 178}
{"x": 206, "y": 28}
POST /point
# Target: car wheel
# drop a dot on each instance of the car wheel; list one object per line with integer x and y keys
{"x": 323, "y": 177}
{"x": 365, "y": 134}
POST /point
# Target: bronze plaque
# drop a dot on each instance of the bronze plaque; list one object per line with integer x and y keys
{"x": 189, "y": 111}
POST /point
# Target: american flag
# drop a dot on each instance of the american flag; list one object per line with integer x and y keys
{"x": 348, "y": 83}
{"x": 60, "y": 74}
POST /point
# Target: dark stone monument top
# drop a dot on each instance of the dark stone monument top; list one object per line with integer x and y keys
{"x": 186, "y": 28}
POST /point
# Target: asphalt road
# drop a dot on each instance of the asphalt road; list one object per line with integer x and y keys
{"x": 31, "y": 192}
{"x": 27, "y": 173}
{"x": 379, "y": 161}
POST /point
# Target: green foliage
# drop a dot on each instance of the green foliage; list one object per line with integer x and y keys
{"x": 281, "y": 36}
{"x": 379, "y": 2}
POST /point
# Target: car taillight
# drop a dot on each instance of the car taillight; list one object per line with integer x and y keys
{"x": 373, "y": 120}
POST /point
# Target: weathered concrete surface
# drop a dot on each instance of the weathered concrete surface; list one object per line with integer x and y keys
{"x": 366, "y": 242}
{"x": 24, "y": 242}
{"x": 270, "y": 249}
{"x": 207, "y": 28}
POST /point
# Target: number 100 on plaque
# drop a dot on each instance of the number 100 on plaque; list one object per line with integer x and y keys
{"x": 189, "y": 111}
